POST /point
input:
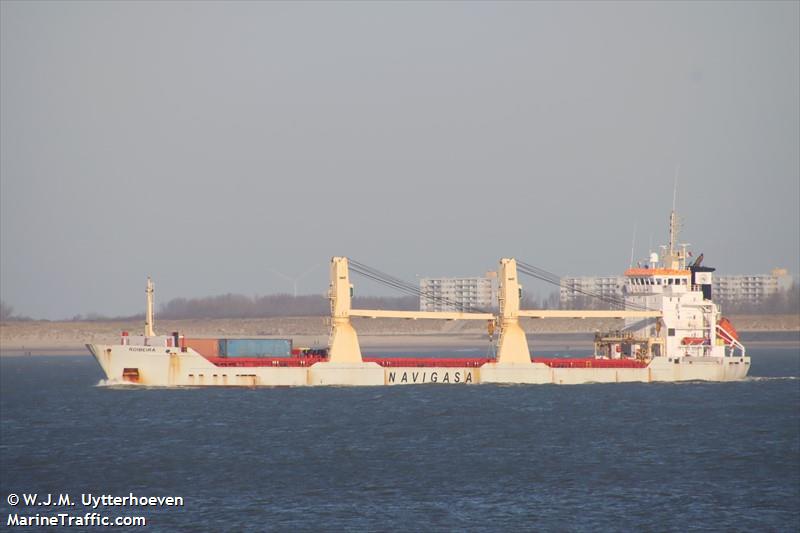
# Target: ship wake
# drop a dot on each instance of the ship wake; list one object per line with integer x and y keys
{"x": 117, "y": 384}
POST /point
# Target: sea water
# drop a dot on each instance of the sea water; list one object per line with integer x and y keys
{"x": 720, "y": 456}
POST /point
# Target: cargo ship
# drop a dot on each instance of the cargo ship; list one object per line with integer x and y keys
{"x": 673, "y": 331}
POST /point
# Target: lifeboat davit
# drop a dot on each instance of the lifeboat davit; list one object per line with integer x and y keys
{"x": 726, "y": 331}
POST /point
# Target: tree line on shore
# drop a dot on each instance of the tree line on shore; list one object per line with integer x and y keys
{"x": 240, "y": 306}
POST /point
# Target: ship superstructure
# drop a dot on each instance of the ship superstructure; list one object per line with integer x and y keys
{"x": 673, "y": 332}
{"x": 690, "y": 323}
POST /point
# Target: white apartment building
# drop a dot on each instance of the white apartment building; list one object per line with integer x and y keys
{"x": 753, "y": 288}
{"x": 576, "y": 289}
{"x": 458, "y": 294}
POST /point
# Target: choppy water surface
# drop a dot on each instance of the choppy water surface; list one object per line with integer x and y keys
{"x": 722, "y": 456}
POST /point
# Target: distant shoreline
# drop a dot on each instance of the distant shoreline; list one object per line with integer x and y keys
{"x": 70, "y": 338}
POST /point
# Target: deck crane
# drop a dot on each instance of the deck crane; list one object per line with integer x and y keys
{"x": 343, "y": 346}
{"x": 513, "y": 345}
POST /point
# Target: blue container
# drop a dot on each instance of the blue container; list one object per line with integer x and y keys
{"x": 255, "y": 347}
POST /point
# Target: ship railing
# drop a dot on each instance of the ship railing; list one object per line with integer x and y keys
{"x": 735, "y": 344}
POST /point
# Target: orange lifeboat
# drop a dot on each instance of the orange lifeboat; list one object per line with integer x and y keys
{"x": 692, "y": 341}
{"x": 727, "y": 332}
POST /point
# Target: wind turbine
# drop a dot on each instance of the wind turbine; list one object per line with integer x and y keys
{"x": 295, "y": 279}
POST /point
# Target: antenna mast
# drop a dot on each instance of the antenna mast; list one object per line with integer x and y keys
{"x": 673, "y": 219}
{"x": 677, "y": 258}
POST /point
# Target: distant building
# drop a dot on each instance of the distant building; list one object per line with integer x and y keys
{"x": 458, "y": 294}
{"x": 739, "y": 289}
{"x": 575, "y": 290}
{"x": 751, "y": 289}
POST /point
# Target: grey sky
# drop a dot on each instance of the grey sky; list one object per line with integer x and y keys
{"x": 206, "y": 143}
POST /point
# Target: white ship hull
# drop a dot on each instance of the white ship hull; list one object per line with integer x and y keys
{"x": 673, "y": 332}
{"x": 170, "y": 367}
